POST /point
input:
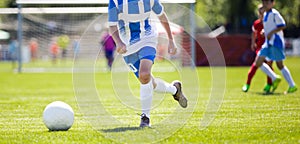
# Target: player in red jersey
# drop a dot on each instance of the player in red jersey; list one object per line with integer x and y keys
{"x": 257, "y": 41}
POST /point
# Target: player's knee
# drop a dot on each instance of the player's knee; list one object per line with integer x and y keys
{"x": 280, "y": 66}
{"x": 259, "y": 61}
{"x": 258, "y": 64}
{"x": 144, "y": 77}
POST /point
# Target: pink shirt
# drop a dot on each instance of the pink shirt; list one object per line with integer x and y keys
{"x": 108, "y": 42}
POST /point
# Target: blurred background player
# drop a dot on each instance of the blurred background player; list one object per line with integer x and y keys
{"x": 76, "y": 45}
{"x": 63, "y": 42}
{"x": 257, "y": 41}
{"x": 109, "y": 46}
{"x": 136, "y": 39}
{"x": 33, "y": 45}
{"x": 274, "y": 46}
{"x": 13, "y": 51}
{"x": 54, "y": 49}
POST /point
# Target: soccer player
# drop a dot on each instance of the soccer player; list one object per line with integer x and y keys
{"x": 33, "y": 45}
{"x": 109, "y": 46}
{"x": 273, "y": 47}
{"x": 13, "y": 51}
{"x": 257, "y": 41}
{"x": 54, "y": 49}
{"x": 136, "y": 39}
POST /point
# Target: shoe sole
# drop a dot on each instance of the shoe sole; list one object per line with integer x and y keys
{"x": 145, "y": 126}
{"x": 182, "y": 100}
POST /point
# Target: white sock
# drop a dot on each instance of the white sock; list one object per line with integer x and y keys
{"x": 288, "y": 77}
{"x": 146, "y": 93}
{"x": 163, "y": 87}
{"x": 266, "y": 69}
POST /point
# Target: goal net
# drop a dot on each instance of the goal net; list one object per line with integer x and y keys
{"x": 53, "y": 36}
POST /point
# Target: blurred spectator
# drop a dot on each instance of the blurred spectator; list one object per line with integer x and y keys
{"x": 109, "y": 47}
{"x": 76, "y": 45}
{"x": 54, "y": 50}
{"x": 13, "y": 51}
{"x": 33, "y": 45}
{"x": 1, "y": 53}
{"x": 63, "y": 42}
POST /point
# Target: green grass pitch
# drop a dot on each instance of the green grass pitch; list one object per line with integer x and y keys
{"x": 250, "y": 117}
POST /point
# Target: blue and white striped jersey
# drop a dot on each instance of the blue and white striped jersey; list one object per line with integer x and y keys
{"x": 272, "y": 20}
{"x": 133, "y": 18}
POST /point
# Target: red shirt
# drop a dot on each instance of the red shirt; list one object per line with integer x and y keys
{"x": 33, "y": 46}
{"x": 257, "y": 29}
{"x": 54, "y": 48}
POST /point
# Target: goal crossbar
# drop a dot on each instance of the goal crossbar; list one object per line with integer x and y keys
{"x": 54, "y": 10}
{"x": 87, "y": 1}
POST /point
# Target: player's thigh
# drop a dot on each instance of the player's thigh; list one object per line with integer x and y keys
{"x": 145, "y": 66}
{"x": 133, "y": 62}
{"x": 259, "y": 60}
{"x": 146, "y": 56}
{"x": 145, "y": 71}
{"x": 261, "y": 56}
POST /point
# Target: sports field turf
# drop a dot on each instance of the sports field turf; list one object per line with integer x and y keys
{"x": 242, "y": 118}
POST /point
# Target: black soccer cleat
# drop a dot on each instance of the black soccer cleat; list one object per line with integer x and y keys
{"x": 179, "y": 96}
{"x": 145, "y": 121}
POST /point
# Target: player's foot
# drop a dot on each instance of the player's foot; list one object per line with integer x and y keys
{"x": 245, "y": 88}
{"x": 276, "y": 83}
{"x": 179, "y": 96}
{"x": 145, "y": 121}
{"x": 267, "y": 88}
{"x": 292, "y": 89}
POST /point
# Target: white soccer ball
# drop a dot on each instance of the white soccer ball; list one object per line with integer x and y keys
{"x": 58, "y": 116}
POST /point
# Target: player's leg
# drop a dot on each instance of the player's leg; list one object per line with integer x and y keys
{"x": 267, "y": 88}
{"x": 108, "y": 56}
{"x": 263, "y": 53}
{"x": 175, "y": 88}
{"x": 142, "y": 70}
{"x": 265, "y": 68}
{"x": 279, "y": 56}
{"x": 288, "y": 77}
{"x": 146, "y": 57}
{"x": 145, "y": 71}
{"x": 110, "y": 59}
{"x": 146, "y": 90}
{"x": 251, "y": 74}
{"x": 162, "y": 86}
